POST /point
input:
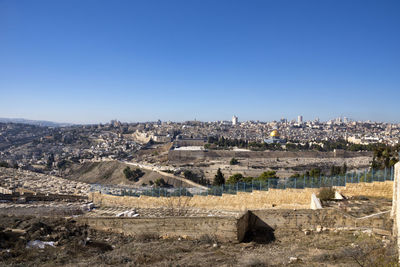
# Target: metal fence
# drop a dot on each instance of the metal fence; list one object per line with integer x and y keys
{"x": 367, "y": 176}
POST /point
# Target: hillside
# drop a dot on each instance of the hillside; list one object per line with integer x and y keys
{"x": 111, "y": 172}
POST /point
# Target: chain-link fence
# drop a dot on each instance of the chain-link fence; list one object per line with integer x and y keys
{"x": 359, "y": 176}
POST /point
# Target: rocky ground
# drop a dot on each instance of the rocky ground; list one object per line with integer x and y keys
{"x": 70, "y": 244}
{"x": 361, "y": 206}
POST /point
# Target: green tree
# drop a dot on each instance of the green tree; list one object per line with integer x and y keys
{"x": 50, "y": 161}
{"x": 235, "y": 178}
{"x": 133, "y": 175}
{"x": 219, "y": 178}
{"x": 128, "y": 173}
{"x": 344, "y": 168}
{"x": 315, "y": 172}
{"x": 267, "y": 175}
{"x": 160, "y": 182}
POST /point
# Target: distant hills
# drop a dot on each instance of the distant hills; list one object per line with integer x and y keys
{"x": 35, "y": 122}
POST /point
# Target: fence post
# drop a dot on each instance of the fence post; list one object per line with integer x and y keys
{"x": 304, "y": 183}
{"x": 295, "y": 182}
{"x": 384, "y": 177}
{"x": 392, "y": 173}
{"x": 366, "y": 180}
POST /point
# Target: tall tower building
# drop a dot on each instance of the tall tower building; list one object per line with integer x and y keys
{"x": 234, "y": 120}
{"x": 299, "y": 119}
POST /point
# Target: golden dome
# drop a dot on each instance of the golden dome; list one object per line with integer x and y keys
{"x": 274, "y": 133}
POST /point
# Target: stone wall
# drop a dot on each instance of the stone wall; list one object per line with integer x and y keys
{"x": 224, "y": 229}
{"x": 311, "y": 219}
{"x": 231, "y": 229}
{"x": 273, "y": 198}
{"x": 375, "y": 189}
{"x": 182, "y": 155}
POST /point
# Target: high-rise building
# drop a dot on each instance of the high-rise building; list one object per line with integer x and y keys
{"x": 299, "y": 119}
{"x": 234, "y": 120}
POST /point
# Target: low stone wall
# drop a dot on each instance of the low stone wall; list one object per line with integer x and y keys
{"x": 290, "y": 198}
{"x": 182, "y": 155}
{"x": 224, "y": 229}
{"x": 311, "y": 219}
{"x": 375, "y": 189}
{"x": 231, "y": 229}
{"x": 273, "y": 198}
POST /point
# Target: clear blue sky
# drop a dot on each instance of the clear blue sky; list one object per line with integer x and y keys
{"x": 87, "y": 61}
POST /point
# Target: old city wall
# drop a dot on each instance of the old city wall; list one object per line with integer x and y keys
{"x": 273, "y": 198}
{"x": 224, "y": 229}
{"x": 184, "y": 155}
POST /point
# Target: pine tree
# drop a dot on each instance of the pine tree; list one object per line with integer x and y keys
{"x": 219, "y": 178}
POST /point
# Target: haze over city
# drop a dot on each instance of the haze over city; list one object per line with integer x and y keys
{"x": 93, "y": 61}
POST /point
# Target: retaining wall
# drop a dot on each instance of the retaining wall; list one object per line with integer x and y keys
{"x": 273, "y": 198}
{"x": 311, "y": 219}
{"x": 182, "y": 155}
{"x": 225, "y": 229}
{"x": 230, "y": 229}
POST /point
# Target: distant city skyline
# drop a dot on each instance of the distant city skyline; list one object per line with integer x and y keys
{"x": 287, "y": 120}
{"x": 94, "y": 61}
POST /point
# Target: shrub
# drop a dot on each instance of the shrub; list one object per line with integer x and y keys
{"x": 326, "y": 193}
{"x": 237, "y": 177}
{"x": 160, "y": 182}
{"x": 234, "y": 161}
{"x": 133, "y": 175}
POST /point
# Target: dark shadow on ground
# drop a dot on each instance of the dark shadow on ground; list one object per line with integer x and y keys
{"x": 258, "y": 231}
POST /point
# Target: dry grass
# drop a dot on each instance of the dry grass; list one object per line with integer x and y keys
{"x": 104, "y": 249}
